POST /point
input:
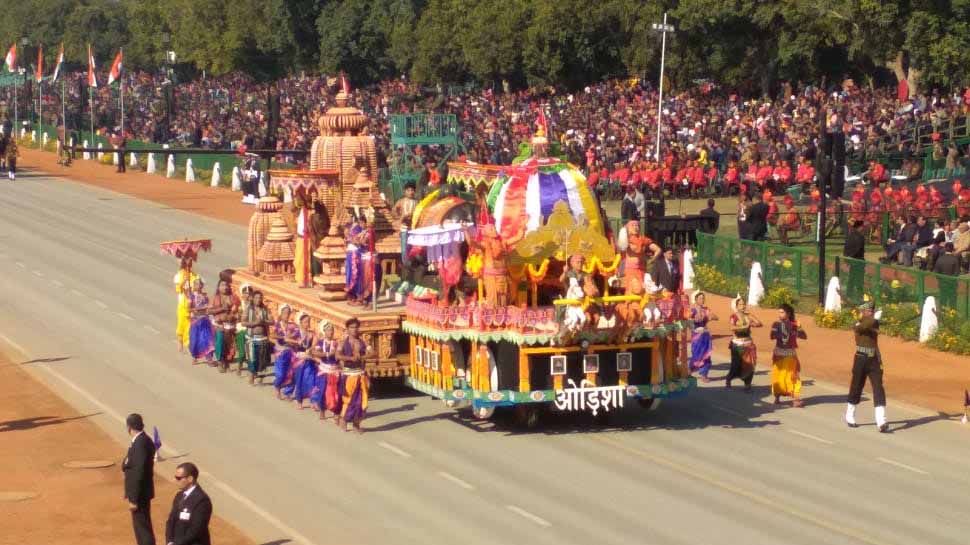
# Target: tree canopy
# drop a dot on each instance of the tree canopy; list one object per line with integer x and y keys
{"x": 750, "y": 44}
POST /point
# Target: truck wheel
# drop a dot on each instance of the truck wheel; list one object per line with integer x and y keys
{"x": 649, "y": 403}
{"x": 483, "y": 413}
{"x": 527, "y": 416}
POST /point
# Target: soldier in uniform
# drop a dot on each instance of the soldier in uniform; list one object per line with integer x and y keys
{"x": 867, "y": 365}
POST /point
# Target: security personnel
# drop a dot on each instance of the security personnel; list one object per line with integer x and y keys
{"x": 188, "y": 522}
{"x": 867, "y": 365}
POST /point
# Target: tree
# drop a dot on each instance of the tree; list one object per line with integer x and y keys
{"x": 368, "y": 39}
{"x": 439, "y": 57}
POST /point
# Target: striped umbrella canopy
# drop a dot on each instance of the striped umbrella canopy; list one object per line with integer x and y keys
{"x": 524, "y": 198}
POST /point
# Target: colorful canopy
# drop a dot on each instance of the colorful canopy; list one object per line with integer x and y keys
{"x": 179, "y": 248}
{"x": 523, "y": 200}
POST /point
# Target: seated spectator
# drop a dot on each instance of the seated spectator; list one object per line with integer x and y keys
{"x": 948, "y": 262}
{"x": 961, "y": 244}
{"x": 922, "y": 237}
{"x": 710, "y": 226}
{"x": 903, "y": 233}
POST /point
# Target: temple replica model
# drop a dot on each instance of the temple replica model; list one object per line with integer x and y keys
{"x": 500, "y": 290}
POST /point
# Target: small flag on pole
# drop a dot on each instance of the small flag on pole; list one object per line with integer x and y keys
{"x": 157, "y": 439}
{"x": 60, "y": 61}
{"x": 92, "y": 78}
{"x": 115, "y": 73}
{"x": 11, "y": 60}
{"x": 39, "y": 75}
{"x": 344, "y": 84}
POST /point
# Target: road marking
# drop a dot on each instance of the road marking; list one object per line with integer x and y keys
{"x": 152, "y": 329}
{"x": 57, "y": 283}
{"x": 810, "y": 436}
{"x": 171, "y": 451}
{"x": 727, "y": 410}
{"x": 525, "y": 514}
{"x": 100, "y": 303}
{"x": 75, "y": 292}
{"x": 393, "y": 449}
{"x": 776, "y": 504}
{"x": 125, "y": 316}
{"x": 456, "y": 480}
{"x": 38, "y": 273}
{"x": 902, "y": 465}
{"x": 21, "y": 265}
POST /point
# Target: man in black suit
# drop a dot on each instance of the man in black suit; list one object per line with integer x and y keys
{"x": 139, "y": 470}
{"x": 855, "y": 242}
{"x": 758, "y": 219}
{"x": 710, "y": 225}
{"x": 948, "y": 263}
{"x": 188, "y": 522}
{"x": 666, "y": 272}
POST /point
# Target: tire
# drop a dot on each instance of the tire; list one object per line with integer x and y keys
{"x": 649, "y": 403}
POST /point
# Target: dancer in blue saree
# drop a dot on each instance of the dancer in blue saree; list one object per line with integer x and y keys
{"x": 304, "y": 364}
{"x": 286, "y": 336}
{"x": 201, "y": 336}
{"x": 701, "y": 345}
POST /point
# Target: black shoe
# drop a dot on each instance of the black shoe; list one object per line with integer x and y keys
{"x": 852, "y": 424}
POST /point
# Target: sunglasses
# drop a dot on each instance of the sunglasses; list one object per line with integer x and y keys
{"x": 177, "y": 478}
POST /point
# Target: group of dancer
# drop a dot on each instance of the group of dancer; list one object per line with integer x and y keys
{"x": 311, "y": 366}
{"x": 786, "y": 367}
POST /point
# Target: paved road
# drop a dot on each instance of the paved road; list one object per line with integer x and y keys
{"x": 88, "y": 298}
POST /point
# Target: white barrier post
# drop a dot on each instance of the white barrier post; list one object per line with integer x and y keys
{"x": 756, "y": 285}
{"x": 189, "y": 171}
{"x": 133, "y": 159}
{"x": 151, "y": 164}
{"x": 100, "y": 153}
{"x": 87, "y": 154}
{"x": 928, "y": 321}
{"x": 236, "y": 181}
{"x": 216, "y": 175}
{"x": 170, "y": 168}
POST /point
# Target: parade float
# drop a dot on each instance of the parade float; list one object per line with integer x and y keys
{"x": 499, "y": 289}
{"x": 517, "y": 309}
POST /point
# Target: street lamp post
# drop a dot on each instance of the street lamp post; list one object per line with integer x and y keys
{"x": 663, "y": 29}
{"x": 16, "y": 99}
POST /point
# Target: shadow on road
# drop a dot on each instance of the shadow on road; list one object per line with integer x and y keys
{"x": 916, "y": 422}
{"x": 277, "y": 542}
{"x": 38, "y": 421}
{"x": 46, "y": 360}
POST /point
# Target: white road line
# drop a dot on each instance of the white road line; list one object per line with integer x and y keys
{"x": 171, "y": 451}
{"x": 152, "y": 329}
{"x": 21, "y": 265}
{"x": 75, "y": 292}
{"x": 902, "y": 465}
{"x": 810, "y": 436}
{"x": 57, "y": 283}
{"x": 525, "y": 514}
{"x": 456, "y": 480}
{"x": 38, "y": 273}
{"x": 100, "y": 303}
{"x": 393, "y": 449}
{"x": 726, "y": 410}
{"x": 125, "y": 316}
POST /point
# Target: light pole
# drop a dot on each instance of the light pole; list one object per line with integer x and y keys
{"x": 663, "y": 29}
{"x": 16, "y": 99}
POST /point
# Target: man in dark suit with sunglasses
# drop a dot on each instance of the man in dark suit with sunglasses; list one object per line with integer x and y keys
{"x": 188, "y": 522}
{"x": 139, "y": 468}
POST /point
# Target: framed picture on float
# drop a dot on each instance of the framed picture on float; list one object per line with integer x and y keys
{"x": 427, "y": 357}
{"x": 419, "y": 356}
{"x": 557, "y": 365}
{"x": 591, "y": 363}
{"x": 434, "y": 361}
{"x": 624, "y": 361}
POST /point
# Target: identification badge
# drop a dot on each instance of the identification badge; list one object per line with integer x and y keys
{"x": 185, "y": 515}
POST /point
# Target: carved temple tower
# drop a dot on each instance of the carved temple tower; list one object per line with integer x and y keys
{"x": 343, "y": 146}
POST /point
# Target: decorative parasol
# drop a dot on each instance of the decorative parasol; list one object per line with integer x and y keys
{"x": 186, "y": 247}
{"x": 561, "y": 237}
{"x": 295, "y": 180}
{"x": 523, "y": 200}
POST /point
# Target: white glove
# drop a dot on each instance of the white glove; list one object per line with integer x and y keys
{"x": 878, "y": 314}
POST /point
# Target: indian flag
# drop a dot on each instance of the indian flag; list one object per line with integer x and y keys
{"x": 92, "y": 78}
{"x": 11, "y": 61}
{"x": 60, "y": 61}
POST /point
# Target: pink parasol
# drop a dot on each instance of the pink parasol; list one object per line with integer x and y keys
{"x": 186, "y": 247}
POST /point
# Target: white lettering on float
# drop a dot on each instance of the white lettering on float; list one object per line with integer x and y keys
{"x": 588, "y": 396}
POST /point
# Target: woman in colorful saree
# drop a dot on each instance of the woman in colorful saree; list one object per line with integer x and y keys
{"x": 326, "y": 395}
{"x": 183, "y": 288}
{"x": 304, "y": 364}
{"x": 744, "y": 353}
{"x": 200, "y": 331}
{"x": 286, "y": 336}
{"x": 701, "y": 345}
{"x": 786, "y": 369}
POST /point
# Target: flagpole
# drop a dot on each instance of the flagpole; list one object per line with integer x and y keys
{"x": 40, "y": 113}
{"x": 16, "y": 120}
{"x": 91, "y": 107}
{"x": 121, "y": 86}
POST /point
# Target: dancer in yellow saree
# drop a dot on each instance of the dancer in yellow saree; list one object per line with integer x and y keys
{"x": 183, "y": 288}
